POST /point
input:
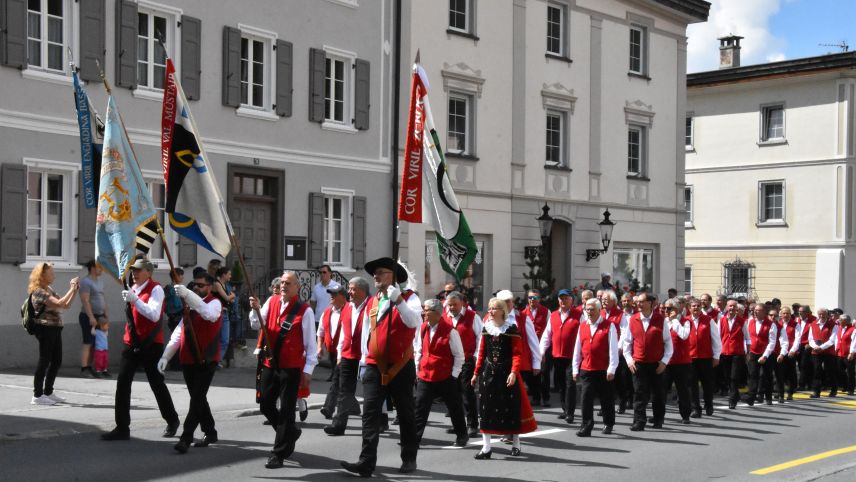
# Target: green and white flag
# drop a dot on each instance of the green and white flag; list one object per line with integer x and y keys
{"x": 425, "y": 188}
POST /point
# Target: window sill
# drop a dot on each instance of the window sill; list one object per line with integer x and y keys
{"x": 256, "y": 114}
{"x": 773, "y": 142}
{"x": 461, "y": 33}
{"x": 460, "y": 155}
{"x": 148, "y": 94}
{"x": 562, "y": 58}
{"x": 639, "y": 178}
{"x": 638, "y": 76}
{"x": 335, "y": 126}
{"x": 559, "y": 167}
{"x": 52, "y": 77}
{"x": 771, "y": 224}
{"x": 61, "y": 266}
{"x": 689, "y": 149}
{"x": 689, "y": 225}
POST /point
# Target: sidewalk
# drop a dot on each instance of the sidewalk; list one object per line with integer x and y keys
{"x": 89, "y": 402}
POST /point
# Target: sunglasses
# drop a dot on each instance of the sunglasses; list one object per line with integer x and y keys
{"x": 534, "y": 298}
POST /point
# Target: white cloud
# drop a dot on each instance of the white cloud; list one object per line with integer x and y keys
{"x": 746, "y": 18}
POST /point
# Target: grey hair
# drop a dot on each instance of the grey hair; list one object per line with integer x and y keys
{"x": 275, "y": 281}
{"x": 611, "y": 295}
{"x": 845, "y": 318}
{"x": 289, "y": 272}
{"x": 596, "y": 302}
{"x": 433, "y": 305}
{"x": 587, "y": 292}
{"x": 360, "y": 283}
{"x": 672, "y": 303}
{"x": 456, "y": 295}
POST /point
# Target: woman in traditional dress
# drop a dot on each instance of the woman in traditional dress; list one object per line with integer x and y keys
{"x": 503, "y": 405}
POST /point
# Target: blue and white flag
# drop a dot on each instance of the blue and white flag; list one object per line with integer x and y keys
{"x": 126, "y": 221}
{"x": 91, "y": 142}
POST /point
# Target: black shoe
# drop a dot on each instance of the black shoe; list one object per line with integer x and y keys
{"x": 584, "y": 431}
{"x": 657, "y": 424}
{"x": 850, "y": 392}
{"x": 621, "y": 409}
{"x": 515, "y": 452}
{"x": 357, "y": 468}
{"x": 407, "y": 467}
{"x": 171, "y": 428}
{"x": 326, "y": 413}
{"x": 563, "y": 416}
{"x": 790, "y": 396}
{"x": 696, "y": 414}
{"x": 105, "y": 374}
{"x": 450, "y": 430}
{"x": 570, "y": 419}
{"x": 651, "y": 420}
{"x": 833, "y": 394}
{"x": 770, "y": 401}
{"x": 814, "y": 395}
{"x": 462, "y": 441}
{"x": 333, "y": 430}
{"x": 474, "y": 432}
{"x": 266, "y": 422}
{"x": 274, "y": 462}
{"x": 304, "y": 414}
{"x": 395, "y": 420}
{"x": 600, "y": 413}
{"x": 708, "y": 411}
{"x": 732, "y": 405}
{"x": 637, "y": 427}
{"x": 606, "y": 430}
{"x": 181, "y": 447}
{"x": 207, "y": 440}
{"x": 684, "y": 421}
{"x": 116, "y": 434}
{"x": 483, "y": 455}
{"x": 384, "y": 422}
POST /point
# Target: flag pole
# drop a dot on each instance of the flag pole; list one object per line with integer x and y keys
{"x": 173, "y": 275}
{"x": 396, "y": 224}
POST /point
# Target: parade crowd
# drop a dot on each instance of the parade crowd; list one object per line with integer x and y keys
{"x": 489, "y": 371}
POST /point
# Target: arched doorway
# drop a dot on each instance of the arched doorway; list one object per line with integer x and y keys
{"x": 562, "y": 254}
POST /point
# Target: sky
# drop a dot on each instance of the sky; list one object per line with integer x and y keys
{"x": 773, "y": 30}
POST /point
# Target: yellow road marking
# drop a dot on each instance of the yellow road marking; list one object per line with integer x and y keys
{"x": 804, "y": 460}
{"x": 850, "y": 404}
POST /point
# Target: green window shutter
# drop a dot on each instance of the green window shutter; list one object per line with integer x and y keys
{"x": 92, "y": 43}
{"x": 126, "y": 43}
{"x": 13, "y": 213}
{"x": 231, "y": 66}
{"x": 362, "y": 94}
{"x": 13, "y": 33}
{"x": 284, "y": 80}
{"x": 191, "y": 56}
{"x": 315, "y": 239}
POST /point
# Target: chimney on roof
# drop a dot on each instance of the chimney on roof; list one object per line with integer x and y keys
{"x": 729, "y": 51}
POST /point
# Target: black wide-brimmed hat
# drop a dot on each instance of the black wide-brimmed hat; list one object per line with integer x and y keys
{"x": 390, "y": 264}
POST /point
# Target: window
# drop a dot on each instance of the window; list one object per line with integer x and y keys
{"x": 151, "y": 56}
{"x": 738, "y": 278}
{"x": 459, "y": 138}
{"x": 771, "y": 202}
{"x": 253, "y": 66}
{"x": 47, "y": 34}
{"x": 556, "y": 22}
{"x": 334, "y": 90}
{"x": 688, "y": 280}
{"x": 688, "y": 205}
{"x": 638, "y": 48}
{"x": 337, "y": 227}
{"x": 46, "y": 192}
{"x": 773, "y": 123}
{"x": 555, "y": 143}
{"x": 688, "y": 136}
{"x": 637, "y": 145}
{"x": 460, "y": 15}
{"x": 634, "y": 267}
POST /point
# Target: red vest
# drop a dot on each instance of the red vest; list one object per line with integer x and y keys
{"x": 351, "y": 348}
{"x": 465, "y": 330}
{"x": 594, "y": 349}
{"x": 758, "y": 342}
{"x": 393, "y": 336}
{"x": 614, "y": 317}
{"x": 681, "y": 348}
{"x": 791, "y": 330}
{"x": 331, "y": 340}
{"x": 207, "y": 336}
{"x": 648, "y": 346}
{"x": 539, "y": 319}
{"x": 436, "y": 362}
{"x": 292, "y": 353}
{"x": 714, "y": 313}
{"x": 733, "y": 342}
{"x": 822, "y": 333}
{"x": 701, "y": 347}
{"x": 525, "y": 352}
{"x": 844, "y": 335}
{"x": 142, "y": 325}
{"x": 808, "y": 322}
{"x": 564, "y": 335}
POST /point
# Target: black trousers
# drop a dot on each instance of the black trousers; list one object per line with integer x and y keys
{"x": 147, "y": 357}
{"x": 733, "y": 367}
{"x": 594, "y": 384}
{"x": 546, "y": 380}
{"x": 281, "y": 384}
{"x": 786, "y": 372}
{"x": 333, "y": 392}
{"x": 50, "y": 359}
{"x": 468, "y": 393}
{"x": 198, "y": 379}
{"x": 346, "y": 400}
{"x": 806, "y": 365}
{"x": 449, "y": 391}
{"x": 846, "y": 374}
{"x": 825, "y": 368}
{"x": 681, "y": 375}
{"x": 567, "y": 385}
{"x": 703, "y": 373}
{"x": 533, "y": 385}
{"x": 760, "y": 378}
{"x": 400, "y": 389}
{"x": 648, "y": 385}
{"x": 623, "y": 382}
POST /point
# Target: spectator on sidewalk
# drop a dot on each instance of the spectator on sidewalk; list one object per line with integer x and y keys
{"x": 93, "y": 311}
{"x": 101, "y": 357}
{"x": 320, "y": 299}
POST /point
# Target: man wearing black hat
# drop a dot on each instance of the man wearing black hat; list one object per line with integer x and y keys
{"x": 329, "y": 331}
{"x": 387, "y": 366}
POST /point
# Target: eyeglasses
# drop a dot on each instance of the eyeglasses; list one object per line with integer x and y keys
{"x": 533, "y": 298}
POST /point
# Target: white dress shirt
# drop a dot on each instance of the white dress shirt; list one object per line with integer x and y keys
{"x": 477, "y": 327}
{"x": 151, "y": 310}
{"x": 828, "y": 344}
{"x": 771, "y": 337}
{"x": 853, "y": 342}
{"x": 410, "y": 311}
{"x": 307, "y": 324}
{"x": 787, "y": 348}
{"x": 715, "y": 340}
{"x": 335, "y": 315}
{"x": 208, "y": 311}
{"x": 533, "y": 342}
{"x": 547, "y": 336}
{"x": 613, "y": 348}
{"x": 454, "y": 344}
{"x": 682, "y": 329}
{"x": 667, "y": 340}
{"x": 355, "y": 314}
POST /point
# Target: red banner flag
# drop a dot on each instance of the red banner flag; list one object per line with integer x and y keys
{"x": 410, "y": 198}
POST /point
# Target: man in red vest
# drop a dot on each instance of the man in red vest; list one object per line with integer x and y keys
{"x": 291, "y": 326}
{"x": 558, "y": 340}
{"x": 789, "y": 340}
{"x": 705, "y": 349}
{"x": 439, "y": 355}
{"x": 806, "y": 361}
{"x": 647, "y": 349}
{"x": 733, "y": 333}
{"x": 328, "y": 334}
{"x": 143, "y": 346}
{"x": 387, "y": 366}
{"x": 844, "y": 350}
{"x": 539, "y": 314}
{"x": 349, "y": 352}
{"x": 763, "y": 337}
{"x": 198, "y": 354}
{"x": 613, "y": 313}
{"x": 680, "y": 368}
{"x": 821, "y": 340}
{"x": 594, "y": 365}
{"x": 469, "y": 326}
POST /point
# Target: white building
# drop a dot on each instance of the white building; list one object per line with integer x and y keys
{"x": 771, "y": 150}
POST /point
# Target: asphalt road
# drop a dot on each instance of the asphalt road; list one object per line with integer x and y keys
{"x": 61, "y": 443}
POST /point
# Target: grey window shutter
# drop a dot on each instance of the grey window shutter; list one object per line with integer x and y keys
{"x": 358, "y": 249}
{"x": 231, "y": 66}
{"x": 85, "y": 228}
{"x": 316, "y": 229}
{"x": 284, "y": 83}
{"x": 13, "y": 33}
{"x": 317, "y": 60}
{"x": 191, "y": 56}
{"x": 362, "y": 91}
{"x": 92, "y": 43}
{"x": 13, "y": 215}
{"x": 126, "y": 43}
{"x": 186, "y": 252}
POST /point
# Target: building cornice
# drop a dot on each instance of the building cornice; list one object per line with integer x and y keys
{"x": 775, "y": 165}
{"x": 772, "y": 70}
{"x": 696, "y": 9}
